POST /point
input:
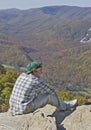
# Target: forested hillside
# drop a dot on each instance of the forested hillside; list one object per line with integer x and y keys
{"x": 50, "y": 35}
{"x": 7, "y": 80}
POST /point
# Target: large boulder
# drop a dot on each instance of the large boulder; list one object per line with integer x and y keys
{"x": 48, "y": 118}
{"x": 39, "y": 120}
{"x": 78, "y": 120}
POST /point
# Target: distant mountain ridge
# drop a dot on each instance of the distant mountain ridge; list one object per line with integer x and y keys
{"x": 73, "y": 12}
{"x": 60, "y": 20}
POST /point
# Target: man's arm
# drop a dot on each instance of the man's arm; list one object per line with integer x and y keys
{"x": 46, "y": 88}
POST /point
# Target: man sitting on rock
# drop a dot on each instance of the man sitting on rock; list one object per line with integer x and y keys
{"x": 30, "y": 93}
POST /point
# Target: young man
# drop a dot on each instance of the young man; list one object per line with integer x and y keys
{"x": 30, "y": 93}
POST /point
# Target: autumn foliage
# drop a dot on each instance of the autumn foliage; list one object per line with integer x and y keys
{"x": 8, "y": 78}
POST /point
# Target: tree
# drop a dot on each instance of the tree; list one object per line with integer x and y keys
{"x": 2, "y": 69}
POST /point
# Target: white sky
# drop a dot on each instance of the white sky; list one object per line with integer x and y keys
{"x": 27, "y": 4}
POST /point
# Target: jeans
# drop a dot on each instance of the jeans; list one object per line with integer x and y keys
{"x": 44, "y": 99}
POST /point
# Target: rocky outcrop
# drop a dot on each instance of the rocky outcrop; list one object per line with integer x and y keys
{"x": 87, "y": 37}
{"x": 39, "y": 120}
{"x": 78, "y": 120}
{"x": 48, "y": 118}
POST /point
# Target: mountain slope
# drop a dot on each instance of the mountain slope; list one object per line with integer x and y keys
{"x": 52, "y": 22}
{"x": 70, "y": 12}
{"x": 51, "y": 35}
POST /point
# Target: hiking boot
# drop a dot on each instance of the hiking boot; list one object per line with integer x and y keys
{"x": 71, "y": 104}
{"x": 67, "y": 105}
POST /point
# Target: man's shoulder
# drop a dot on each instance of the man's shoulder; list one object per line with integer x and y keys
{"x": 27, "y": 76}
{"x": 22, "y": 76}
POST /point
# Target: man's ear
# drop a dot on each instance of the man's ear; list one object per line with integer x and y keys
{"x": 34, "y": 71}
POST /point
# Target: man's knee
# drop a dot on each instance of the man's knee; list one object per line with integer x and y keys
{"x": 53, "y": 100}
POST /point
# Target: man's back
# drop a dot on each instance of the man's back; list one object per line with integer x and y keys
{"x": 23, "y": 93}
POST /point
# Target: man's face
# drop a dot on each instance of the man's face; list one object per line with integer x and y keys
{"x": 38, "y": 72}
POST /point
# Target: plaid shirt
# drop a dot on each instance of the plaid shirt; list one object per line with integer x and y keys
{"x": 26, "y": 89}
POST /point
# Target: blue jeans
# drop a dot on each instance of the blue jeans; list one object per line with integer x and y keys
{"x": 44, "y": 99}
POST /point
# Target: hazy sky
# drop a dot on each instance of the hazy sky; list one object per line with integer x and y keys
{"x": 27, "y": 4}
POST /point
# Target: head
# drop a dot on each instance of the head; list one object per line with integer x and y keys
{"x": 34, "y": 68}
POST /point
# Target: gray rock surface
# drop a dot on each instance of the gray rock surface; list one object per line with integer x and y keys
{"x": 32, "y": 121}
{"x": 48, "y": 118}
{"x": 78, "y": 120}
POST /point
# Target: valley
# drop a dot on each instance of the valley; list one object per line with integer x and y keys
{"x": 50, "y": 35}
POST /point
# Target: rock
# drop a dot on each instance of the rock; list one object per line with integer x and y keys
{"x": 48, "y": 118}
{"x": 39, "y": 120}
{"x": 87, "y": 37}
{"x": 78, "y": 120}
